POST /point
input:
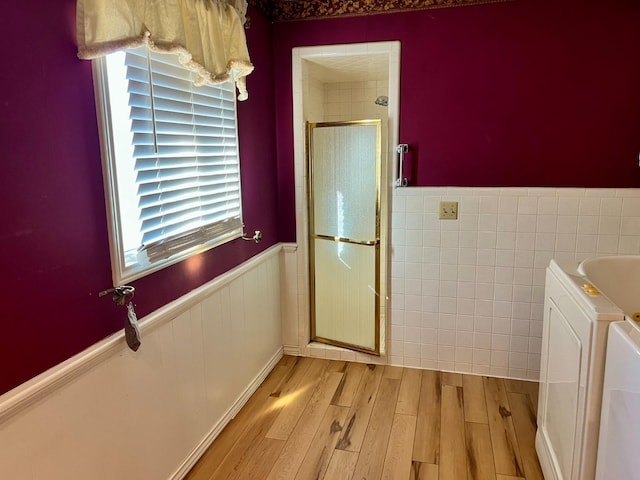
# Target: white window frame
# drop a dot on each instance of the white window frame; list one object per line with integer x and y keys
{"x": 122, "y": 271}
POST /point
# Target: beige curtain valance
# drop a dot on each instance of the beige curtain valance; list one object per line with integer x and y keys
{"x": 208, "y": 35}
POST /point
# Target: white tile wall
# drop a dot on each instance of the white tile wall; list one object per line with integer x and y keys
{"x": 313, "y": 96}
{"x": 353, "y": 100}
{"x": 468, "y": 294}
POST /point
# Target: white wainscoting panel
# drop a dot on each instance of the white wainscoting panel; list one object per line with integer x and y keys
{"x": 109, "y": 413}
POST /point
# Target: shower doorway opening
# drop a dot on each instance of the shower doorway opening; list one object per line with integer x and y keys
{"x": 343, "y": 85}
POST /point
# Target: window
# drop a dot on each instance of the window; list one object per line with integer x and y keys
{"x": 170, "y": 161}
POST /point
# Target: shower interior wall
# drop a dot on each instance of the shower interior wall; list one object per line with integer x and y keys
{"x": 343, "y": 101}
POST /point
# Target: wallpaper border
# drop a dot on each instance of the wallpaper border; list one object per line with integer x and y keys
{"x": 290, "y": 10}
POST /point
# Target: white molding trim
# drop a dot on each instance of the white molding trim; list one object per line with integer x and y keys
{"x": 230, "y": 414}
{"x": 30, "y": 392}
{"x": 292, "y": 350}
{"x": 289, "y": 247}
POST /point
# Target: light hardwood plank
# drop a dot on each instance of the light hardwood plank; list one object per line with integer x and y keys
{"x": 360, "y": 412}
{"x": 512, "y": 385}
{"x": 524, "y": 421}
{"x": 294, "y": 377}
{"x": 295, "y": 402}
{"x": 317, "y": 459}
{"x": 532, "y": 389}
{"x": 475, "y": 405}
{"x": 248, "y": 416}
{"x": 452, "y": 464}
{"x": 393, "y": 372}
{"x": 341, "y": 466}
{"x": 479, "y": 454}
{"x": 250, "y": 438}
{"x": 397, "y": 461}
{"x": 298, "y": 443}
{"x": 348, "y": 387}
{"x": 374, "y": 445}
{"x": 288, "y": 361}
{"x": 526, "y": 388}
{"x": 409, "y": 396}
{"x": 248, "y": 443}
{"x": 506, "y": 453}
{"x": 426, "y": 446}
{"x": 260, "y": 462}
{"x": 337, "y": 366}
{"x": 508, "y": 477}
{"x": 453, "y": 379}
{"x": 423, "y": 471}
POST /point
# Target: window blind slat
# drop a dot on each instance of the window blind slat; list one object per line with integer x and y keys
{"x": 146, "y": 126}
{"x": 170, "y": 185}
{"x": 219, "y": 118}
{"x": 187, "y": 160}
{"x": 153, "y": 200}
{"x": 176, "y": 139}
{"x": 207, "y": 201}
{"x": 177, "y": 219}
{"x": 225, "y": 230}
{"x": 172, "y": 229}
{"x": 179, "y": 90}
{"x": 190, "y": 172}
{"x": 147, "y": 151}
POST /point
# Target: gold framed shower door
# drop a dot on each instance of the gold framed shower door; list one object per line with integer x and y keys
{"x": 344, "y": 271}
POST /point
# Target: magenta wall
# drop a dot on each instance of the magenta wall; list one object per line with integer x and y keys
{"x": 532, "y": 92}
{"x": 525, "y": 93}
{"x": 53, "y": 239}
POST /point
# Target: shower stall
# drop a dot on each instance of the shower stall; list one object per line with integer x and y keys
{"x": 346, "y": 101}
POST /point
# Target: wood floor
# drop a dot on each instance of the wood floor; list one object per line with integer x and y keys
{"x": 322, "y": 419}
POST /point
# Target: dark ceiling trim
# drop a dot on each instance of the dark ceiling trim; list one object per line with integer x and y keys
{"x": 289, "y": 10}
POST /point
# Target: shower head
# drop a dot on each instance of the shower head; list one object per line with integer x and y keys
{"x": 382, "y": 100}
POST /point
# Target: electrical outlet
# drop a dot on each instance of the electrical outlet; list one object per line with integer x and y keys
{"x": 448, "y": 211}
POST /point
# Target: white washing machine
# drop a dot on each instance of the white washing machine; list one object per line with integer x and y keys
{"x": 576, "y": 321}
{"x": 619, "y": 446}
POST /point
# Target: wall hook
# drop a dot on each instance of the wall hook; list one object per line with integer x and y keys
{"x": 257, "y": 236}
{"x": 121, "y": 294}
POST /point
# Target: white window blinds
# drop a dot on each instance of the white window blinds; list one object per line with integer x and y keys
{"x": 177, "y": 158}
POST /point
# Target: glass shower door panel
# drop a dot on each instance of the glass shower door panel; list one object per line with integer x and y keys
{"x": 345, "y": 182}
{"x": 345, "y": 298}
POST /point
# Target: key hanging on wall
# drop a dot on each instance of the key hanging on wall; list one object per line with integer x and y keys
{"x": 131, "y": 329}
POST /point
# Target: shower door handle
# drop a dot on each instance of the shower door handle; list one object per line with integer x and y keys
{"x": 367, "y": 243}
{"x": 401, "y": 180}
